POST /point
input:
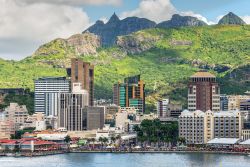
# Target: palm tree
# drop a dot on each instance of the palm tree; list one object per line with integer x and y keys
{"x": 182, "y": 140}
{"x": 67, "y": 139}
{"x": 113, "y": 139}
{"x": 92, "y": 140}
{"x": 118, "y": 137}
{"x": 101, "y": 140}
{"x": 105, "y": 140}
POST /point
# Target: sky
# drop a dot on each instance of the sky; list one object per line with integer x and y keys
{"x": 27, "y": 24}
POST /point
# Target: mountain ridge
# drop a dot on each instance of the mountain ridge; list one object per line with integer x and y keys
{"x": 110, "y": 31}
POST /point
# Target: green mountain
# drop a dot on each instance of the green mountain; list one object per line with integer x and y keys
{"x": 232, "y": 19}
{"x": 165, "y": 58}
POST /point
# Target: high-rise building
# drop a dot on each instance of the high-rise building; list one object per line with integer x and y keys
{"x": 203, "y": 92}
{"x": 198, "y": 127}
{"x": 131, "y": 93}
{"x": 223, "y": 102}
{"x": 49, "y": 85}
{"x": 94, "y": 117}
{"x": 83, "y": 72}
{"x": 162, "y": 108}
{"x": 71, "y": 115}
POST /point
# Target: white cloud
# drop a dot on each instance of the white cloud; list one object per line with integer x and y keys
{"x": 156, "y": 10}
{"x": 160, "y": 10}
{"x": 104, "y": 19}
{"x": 199, "y": 16}
{"x": 75, "y": 2}
{"x": 246, "y": 19}
{"x": 219, "y": 17}
{"x": 23, "y": 27}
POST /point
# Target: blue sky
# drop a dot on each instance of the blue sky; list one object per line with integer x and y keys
{"x": 210, "y": 9}
{"x": 27, "y": 24}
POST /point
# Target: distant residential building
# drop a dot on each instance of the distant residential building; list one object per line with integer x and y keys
{"x": 110, "y": 112}
{"x": 162, "y": 108}
{"x": 94, "y": 117}
{"x": 121, "y": 120}
{"x": 235, "y": 100}
{"x": 32, "y": 119}
{"x": 131, "y": 93}
{"x": 198, "y": 127}
{"x": 41, "y": 125}
{"x": 141, "y": 117}
{"x": 6, "y": 127}
{"x": 83, "y": 72}
{"x": 16, "y": 114}
{"x": 245, "y": 105}
{"x": 52, "y": 121}
{"x": 223, "y": 102}
{"x": 129, "y": 110}
{"x": 166, "y": 109}
{"x": 71, "y": 108}
{"x": 49, "y": 85}
{"x": 103, "y": 102}
{"x": 245, "y": 108}
{"x": 203, "y": 92}
{"x": 245, "y": 134}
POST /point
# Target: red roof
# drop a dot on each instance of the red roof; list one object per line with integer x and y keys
{"x": 26, "y": 141}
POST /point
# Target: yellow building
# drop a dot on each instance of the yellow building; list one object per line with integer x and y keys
{"x": 234, "y": 101}
{"x": 199, "y": 127}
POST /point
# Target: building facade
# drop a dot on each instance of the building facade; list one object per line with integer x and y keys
{"x": 71, "y": 114}
{"x": 47, "y": 86}
{"x": 235, "y": 100}
{"x": 166, "y": 109}
{"x": 94, "y": 117}
{"x": 223, "y": 102}
{"x": 162, "y": 108}
{"x": 6, "y": 127}
{"x": 203, "y": 92}
{"x": 245, "y": 108}
{"x": 83, "y": 72}
{"x": 199, "y": 127}
{"x": 131, "y": 93}
{"x": 16, "y": 114}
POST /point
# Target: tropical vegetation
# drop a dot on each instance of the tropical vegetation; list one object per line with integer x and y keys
{"x": 165, "y": 58}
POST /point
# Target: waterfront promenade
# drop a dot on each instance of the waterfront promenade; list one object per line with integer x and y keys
{"x": 47, "y": 153}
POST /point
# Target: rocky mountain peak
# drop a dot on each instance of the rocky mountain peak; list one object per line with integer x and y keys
{"x": 115, "y": 27}
{"x": 231, "y": 19}
{"x": 113, "y": 18}
{"x": 181, "y": 21}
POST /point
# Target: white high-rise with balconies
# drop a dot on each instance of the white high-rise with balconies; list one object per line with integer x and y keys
{"x": 48, "y": 87}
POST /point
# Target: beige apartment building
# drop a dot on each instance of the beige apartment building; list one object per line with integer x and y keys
{"x": 16, "y": 114}
{"x": 199, "y": 127}
{"x": 234, "y": 101}
{"x": 6, "y": 129}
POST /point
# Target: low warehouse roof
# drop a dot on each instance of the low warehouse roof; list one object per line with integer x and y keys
{"x": 226, "y": 141}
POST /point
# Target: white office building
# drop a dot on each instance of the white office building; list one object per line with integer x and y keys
{"x": 49, "y": 86}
